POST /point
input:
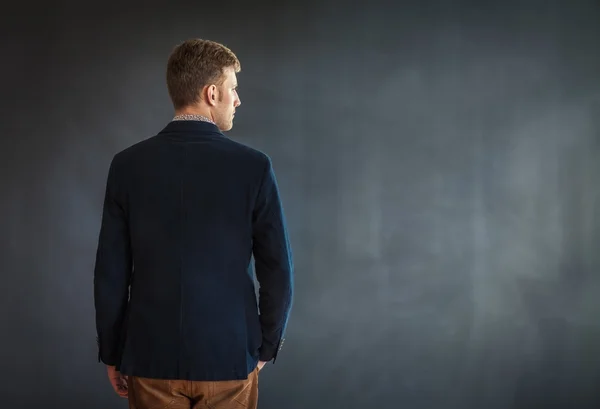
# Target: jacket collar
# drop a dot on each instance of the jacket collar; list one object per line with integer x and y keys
{"x": 190, "y": 129}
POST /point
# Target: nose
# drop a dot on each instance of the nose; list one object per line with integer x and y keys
{"x": 237, "y": 101}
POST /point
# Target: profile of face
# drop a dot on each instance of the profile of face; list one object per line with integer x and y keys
{"x": 224, "y": 99}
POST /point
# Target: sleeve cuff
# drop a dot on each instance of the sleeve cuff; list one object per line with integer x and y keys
{"x": 270, "y": 352}
{"x": 111, "y": 361}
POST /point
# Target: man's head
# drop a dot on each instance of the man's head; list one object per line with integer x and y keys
{"x": 201, "y": 80}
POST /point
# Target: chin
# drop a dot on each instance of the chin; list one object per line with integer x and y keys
{"x": 226, "y": 127}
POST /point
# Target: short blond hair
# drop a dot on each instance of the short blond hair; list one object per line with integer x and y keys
{"x": 194, "y": 64}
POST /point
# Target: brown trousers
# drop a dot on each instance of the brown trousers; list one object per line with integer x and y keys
{"x": 145, "y": 393}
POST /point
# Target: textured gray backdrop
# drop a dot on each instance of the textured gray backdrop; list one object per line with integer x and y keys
{"x": 439, "y": 163}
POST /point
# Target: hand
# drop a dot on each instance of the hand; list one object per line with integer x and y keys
{"x": 261, "y": 364}
{"x": 117, "y": 380}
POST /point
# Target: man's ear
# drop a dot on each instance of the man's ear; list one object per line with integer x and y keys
{"x": 212, "y": 95}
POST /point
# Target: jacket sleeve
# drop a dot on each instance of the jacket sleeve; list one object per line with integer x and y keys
{"x": 112, "y": 271}
{"x": 273, "y": 265}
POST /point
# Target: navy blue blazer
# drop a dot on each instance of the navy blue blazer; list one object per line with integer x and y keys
{"x": 184, "y": 212}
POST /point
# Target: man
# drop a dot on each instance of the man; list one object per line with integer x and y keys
{"x": 184, "y": 211}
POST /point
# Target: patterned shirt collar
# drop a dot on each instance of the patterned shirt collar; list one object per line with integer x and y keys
{"x": 192, "y": 117}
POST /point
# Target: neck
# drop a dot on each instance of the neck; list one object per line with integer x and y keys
{"x": 195, "y": 110}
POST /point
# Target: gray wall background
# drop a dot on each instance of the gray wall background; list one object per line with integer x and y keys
{"x": 439, "y": 166}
